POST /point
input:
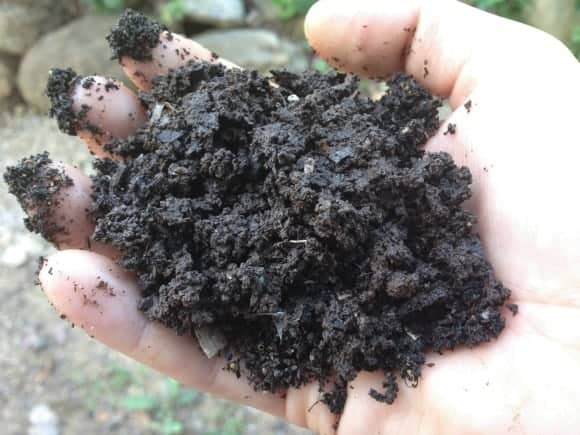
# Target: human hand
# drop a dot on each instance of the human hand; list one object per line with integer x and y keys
{"x": 522, "y": 85}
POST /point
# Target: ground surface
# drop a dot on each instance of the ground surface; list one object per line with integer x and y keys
{"x": 43, "y": 361}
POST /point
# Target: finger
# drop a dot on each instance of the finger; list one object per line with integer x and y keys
{"x": 70, "y": 212}
{"x": 396, "y": 418}
{"x": 304, "y": 408}
{"x": 109, "y": 110}
{"x": 95, "y": 294}
{"x": 57, "y": 199}
{"x": 95, "y": 108}
{"x": 172, "y": 52}
{"x": 447, "y": 45}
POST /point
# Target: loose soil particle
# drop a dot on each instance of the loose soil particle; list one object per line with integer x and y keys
{"x": 451, "y": 129}
{"x": 304, "y": 223}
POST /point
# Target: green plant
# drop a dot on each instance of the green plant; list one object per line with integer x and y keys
{"x": 172, "y": 11}
{"x": 115, "y": 380}
{"x": 291, "y": 8}
{"x": 106, "y": 5}
{"x": 234, "y": 425}
{"x": 575, "y": 41}
{"x": 162, "y": 408}
{"x": 320, "y": 65}
{"x": 513, "y": 9}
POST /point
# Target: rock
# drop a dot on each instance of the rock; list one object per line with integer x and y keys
{"x": 43, "y": 421}
{"x": 22, "y": 22}
{"x": 7, "y": 76}
{"x": 8, "y": 70}
{"x": 218, "y": 12}
{"x": 35, "y": 341}
{"x": 58, "y": 332}
{"x": 19, "y": 249}
{"x": 80, "y": 45}
{"x": 14, "y": 256}
{"x": 266, "y": 10}
{"x": 255, "y": 48}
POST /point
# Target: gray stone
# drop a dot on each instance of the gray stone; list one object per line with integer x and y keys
{"x": 255, "y": 48}
{"x": 265, "y": 10}
{"x": 80, "y": 45}
{"x": 8, "y": 71}
{"x": 19, "y": 249}
{"x": 218, "y": 12}
{"x": 35, "y": 341}
{"x": 14, "y": 256}
{"x": 23, "y": 22}
{"x": 7, "y": 81}
{"x": 43, "y": 421}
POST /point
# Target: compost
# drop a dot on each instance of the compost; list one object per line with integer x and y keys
{"x": 300, "y": 222}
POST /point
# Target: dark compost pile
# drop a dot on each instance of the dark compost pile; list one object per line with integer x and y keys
{"x": 302, "y": 223}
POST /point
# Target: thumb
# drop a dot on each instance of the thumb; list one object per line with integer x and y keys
{"x": 447, "y": 45}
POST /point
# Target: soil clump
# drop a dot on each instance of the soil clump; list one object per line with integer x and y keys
{"x": 36, "y": 181}
{"x": 135, "y": 35}
{"x": 304, "y": 223}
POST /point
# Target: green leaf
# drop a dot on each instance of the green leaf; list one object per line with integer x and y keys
{"x": 186, "y": 397}
{"x": 169, "y": 426}
{"x": 113, "y": 4}
{"x": 576, "y": 35}
{"x": 143, "y": 402}
{"x": 172, "y": 388}
{"x": 320, "y": 65}
{"x": 233, "y": 426}
{"x": 513, "y": 9}
{"x": 172, "y": 11}
{"x": 120, "y": 377}
{"x": 487, "y": 4}
{"x": 291, "y": 8}
{"x": 106, "y": 5}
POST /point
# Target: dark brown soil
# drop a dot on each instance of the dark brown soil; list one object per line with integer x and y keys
{"x": 303, "y": 222}
{"x": 35, "y": 181}
{"x": 135, "y": 35}
{"x": 60, "y": 82}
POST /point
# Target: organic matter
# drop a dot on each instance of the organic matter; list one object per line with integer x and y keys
{"x": 303, "y": 222}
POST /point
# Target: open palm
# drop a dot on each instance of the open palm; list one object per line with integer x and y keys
{"x": 518, "y": 136}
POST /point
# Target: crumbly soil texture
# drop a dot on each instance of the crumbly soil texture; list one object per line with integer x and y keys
{"x": 37, "y": 182}
{"x": 303, "y": 223}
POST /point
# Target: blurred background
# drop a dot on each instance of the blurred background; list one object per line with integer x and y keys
{"x": 53, "y": 379}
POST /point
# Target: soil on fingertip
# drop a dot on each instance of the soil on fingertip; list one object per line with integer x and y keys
{"x": 303, "y": 223}
{"x": 135, "y": 35}
{"x": 36, "y": 182}
{"x": 61, "y": 84}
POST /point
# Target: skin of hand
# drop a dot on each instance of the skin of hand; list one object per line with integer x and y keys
{"x": 521, "y": 142}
